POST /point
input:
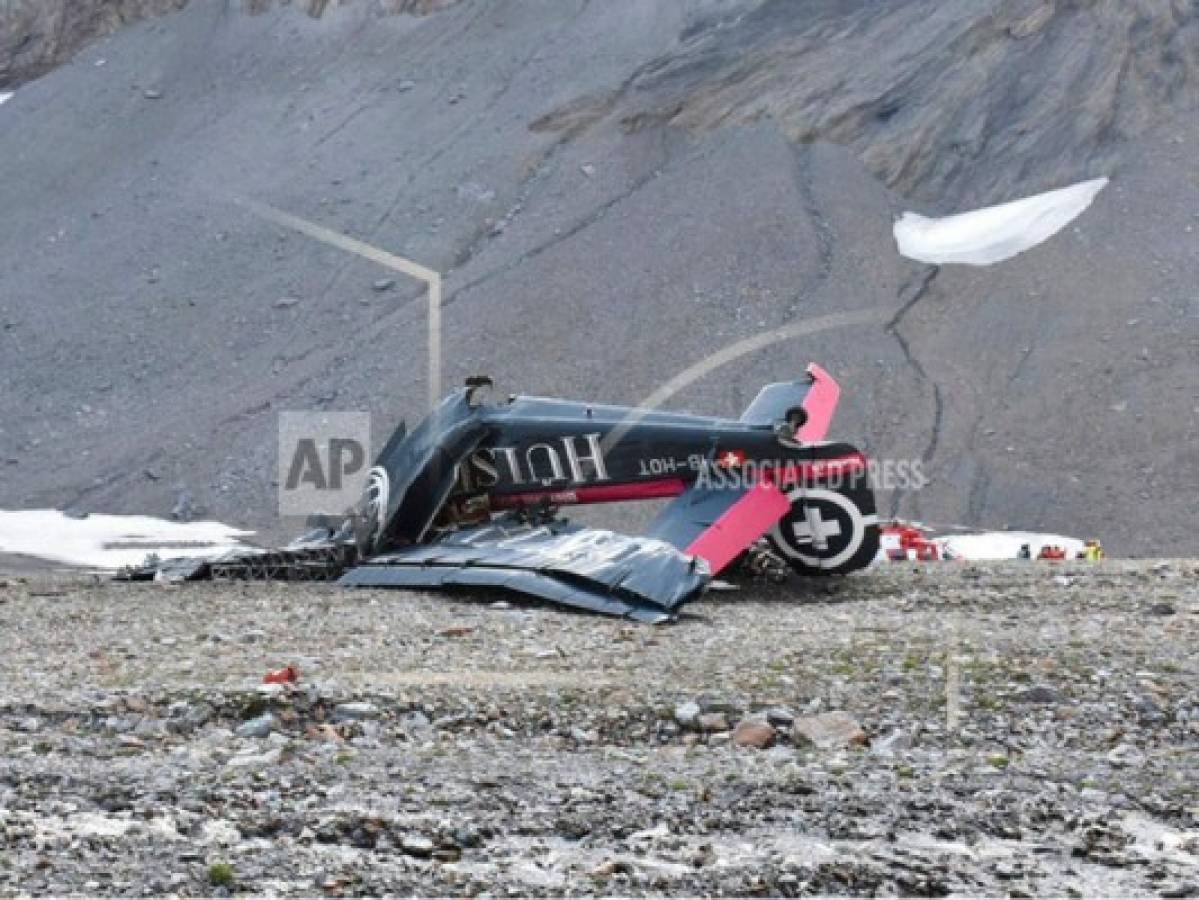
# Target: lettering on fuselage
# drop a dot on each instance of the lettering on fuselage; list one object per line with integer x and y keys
{"x": 577, "y": 459}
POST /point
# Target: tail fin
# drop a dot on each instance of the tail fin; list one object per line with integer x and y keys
{"x": 809, "y": 403}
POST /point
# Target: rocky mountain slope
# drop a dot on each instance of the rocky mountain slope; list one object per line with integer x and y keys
{"x": 614, "y": 192}
{"x": 36, "y": 36}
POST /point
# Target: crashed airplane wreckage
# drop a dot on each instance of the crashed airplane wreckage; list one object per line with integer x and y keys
{"x": 470, "y": 498}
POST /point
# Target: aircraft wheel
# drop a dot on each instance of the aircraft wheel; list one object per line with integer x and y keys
{"x": 370, "y": 514}
{"x": 830, "y": 529}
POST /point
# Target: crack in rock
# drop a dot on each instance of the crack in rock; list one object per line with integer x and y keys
{"x": 916, "y": 292}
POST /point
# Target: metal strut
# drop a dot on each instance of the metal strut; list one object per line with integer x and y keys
{"x": 308, "y": 564}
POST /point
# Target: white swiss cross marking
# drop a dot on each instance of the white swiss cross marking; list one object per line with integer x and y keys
{"x": 815, "y": 530}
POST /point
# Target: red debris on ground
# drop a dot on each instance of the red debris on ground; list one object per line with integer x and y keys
{"x": 286, "y": 675}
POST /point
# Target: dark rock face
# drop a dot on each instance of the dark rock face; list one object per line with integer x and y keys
{"x": 962, "y": 102}
{"x": 38, "y": 35}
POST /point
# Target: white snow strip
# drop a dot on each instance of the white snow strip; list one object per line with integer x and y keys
{"x": 4, "y": 97}
{"x": 1006, "y": 544}
{"x": 995, "y": 233}
{"x": 110, "y": 542}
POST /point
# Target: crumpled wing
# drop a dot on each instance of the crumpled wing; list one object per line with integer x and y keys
{"x": 591, "y": 569}
{"x": 302, "y": 560}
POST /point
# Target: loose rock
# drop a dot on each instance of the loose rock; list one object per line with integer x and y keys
{"x": 713, "y": 721}
{"x": 687, "y": 714}
{"x": 828, "y": 730}
{"x": 258, "y": 727}
{"x": 756, "y": 733}
{"x": 416, "y": 845}
{"x": 356, "y": 710}
{"x": 1039, "y": 694}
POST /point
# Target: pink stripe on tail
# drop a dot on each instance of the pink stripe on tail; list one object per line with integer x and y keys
{"x": 740, "y": 525}
{"x": 819, "y": 404}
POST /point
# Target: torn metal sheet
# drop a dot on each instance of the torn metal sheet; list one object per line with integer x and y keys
{"x": 590, "y": 569}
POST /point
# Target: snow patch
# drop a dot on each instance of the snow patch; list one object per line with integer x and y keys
{"x": 1006, "y": 544}
{"x": 111, "y": 542}
{"x": 990, "y": 235}
{"x": 5, "y": 96}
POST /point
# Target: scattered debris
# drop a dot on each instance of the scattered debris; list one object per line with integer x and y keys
{"x": 286, "y": 675}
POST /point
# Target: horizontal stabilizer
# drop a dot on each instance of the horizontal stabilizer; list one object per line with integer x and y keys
{"x": 718, "y": 523}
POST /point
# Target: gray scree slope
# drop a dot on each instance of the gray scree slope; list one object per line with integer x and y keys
{"x": 613, "y": 191}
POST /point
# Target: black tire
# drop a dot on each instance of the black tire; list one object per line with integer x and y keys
{"x": 831, "y": 529}
{"x": 370, "y": 513}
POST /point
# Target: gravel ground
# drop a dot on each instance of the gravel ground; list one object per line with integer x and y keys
{"x": 1006, "y": 730}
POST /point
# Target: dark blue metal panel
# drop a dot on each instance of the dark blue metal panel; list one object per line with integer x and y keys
{"x": 588, "y": 568}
